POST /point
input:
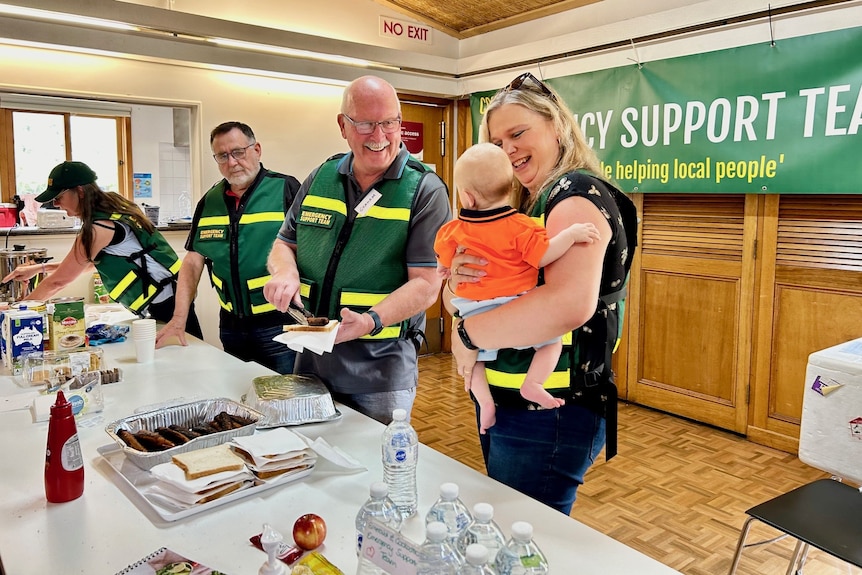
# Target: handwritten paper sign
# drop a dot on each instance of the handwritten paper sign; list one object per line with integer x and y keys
{"x": 389, "y": 550}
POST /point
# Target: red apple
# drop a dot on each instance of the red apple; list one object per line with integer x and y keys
{"x": 309, "y": 531}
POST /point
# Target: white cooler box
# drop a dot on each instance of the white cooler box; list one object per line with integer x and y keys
{"x": 831, "y": 434}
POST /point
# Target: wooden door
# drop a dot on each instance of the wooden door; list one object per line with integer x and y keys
{"x": 433, "y": 115}
{"x": 811, "y": 299}
{"x": 690, "y": 314}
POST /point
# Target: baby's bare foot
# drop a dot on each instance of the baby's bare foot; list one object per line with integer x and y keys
{"x": 537, "y": 394}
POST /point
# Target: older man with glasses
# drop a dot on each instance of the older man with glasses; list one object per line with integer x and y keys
{"x": 358, "y": 245}
{"x": 234, "y": 223}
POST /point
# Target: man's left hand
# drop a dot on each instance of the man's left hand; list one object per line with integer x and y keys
{"x": 353, "y": 325}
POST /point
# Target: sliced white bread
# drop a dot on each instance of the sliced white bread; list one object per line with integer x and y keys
{"x": 297, "y": 327}
{"x": 203, "y": 462}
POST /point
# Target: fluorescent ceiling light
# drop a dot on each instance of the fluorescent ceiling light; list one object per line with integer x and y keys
{"x": 294, "y": 53}
{"x": 63, "y": 17}
{"x": 277, "y": 75}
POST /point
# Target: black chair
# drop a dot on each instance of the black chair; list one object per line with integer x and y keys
{"x": 826, "y": 514}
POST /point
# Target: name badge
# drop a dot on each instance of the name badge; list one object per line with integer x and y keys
{"x": 368, "y": 201}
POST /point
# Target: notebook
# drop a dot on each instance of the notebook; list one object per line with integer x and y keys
{"x": 167, "y": 562}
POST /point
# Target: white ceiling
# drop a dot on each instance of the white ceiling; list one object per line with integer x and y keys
{"x": 559, "y": 44}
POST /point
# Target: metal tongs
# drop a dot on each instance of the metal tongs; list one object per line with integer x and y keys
{"x": 300, "y": 314}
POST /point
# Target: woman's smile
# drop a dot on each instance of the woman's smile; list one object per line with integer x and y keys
{"x": 529, "y": 140}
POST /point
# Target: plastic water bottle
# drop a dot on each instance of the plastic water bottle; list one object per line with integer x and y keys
{"x": 383, "y": 509}
{"x": 476, "y": 558}
{"x": 436, "y": 555}
{"x": 380, "y": 507}
{"x": 521, "y": 556}
{"x": 400, "y": 454}
{"x": 483, "y": 530}
{"x": 451, "y": 511}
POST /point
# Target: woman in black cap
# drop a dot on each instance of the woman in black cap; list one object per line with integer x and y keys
{"x": 137, "y": 265}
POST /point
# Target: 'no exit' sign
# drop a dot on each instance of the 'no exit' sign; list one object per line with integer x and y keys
{"x": 405, "y": 30}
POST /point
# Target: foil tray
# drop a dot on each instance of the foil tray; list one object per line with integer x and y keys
{"x": 185, "y": 415}
{"x": 290, "y": 400}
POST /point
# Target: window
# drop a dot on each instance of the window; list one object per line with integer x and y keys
{"x": 41, "y": 132}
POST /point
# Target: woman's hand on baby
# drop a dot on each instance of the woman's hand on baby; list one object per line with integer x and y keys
{"x": 467, "y": 268}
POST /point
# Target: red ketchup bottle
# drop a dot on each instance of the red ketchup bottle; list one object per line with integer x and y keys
{"x": 64, "y": 464}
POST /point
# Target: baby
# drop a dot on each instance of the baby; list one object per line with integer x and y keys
{"x": 516, "y": 247}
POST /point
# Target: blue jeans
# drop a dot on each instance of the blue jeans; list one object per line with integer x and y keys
{"x": 256, "y": 345}
{"x": 544, "y": 453}
{"x": 379, "y": 405}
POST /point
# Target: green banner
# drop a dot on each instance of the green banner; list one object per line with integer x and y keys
{"x": 756, "y": 119}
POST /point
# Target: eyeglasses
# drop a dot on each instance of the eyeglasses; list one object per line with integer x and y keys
{"x": 237, "y": 154}
{"x": 365, "y": 128}
{"x": 525, "y": 80}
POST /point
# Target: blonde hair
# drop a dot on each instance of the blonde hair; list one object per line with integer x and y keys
{"x": 575, "y": 154}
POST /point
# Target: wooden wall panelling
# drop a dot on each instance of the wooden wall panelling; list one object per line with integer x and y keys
{"x": 690, "y": 351}
{"x": 810, "y": 299}
{"x": 620, "y": 362}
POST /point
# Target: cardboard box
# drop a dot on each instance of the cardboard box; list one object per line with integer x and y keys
{"x": 68, "y": 324}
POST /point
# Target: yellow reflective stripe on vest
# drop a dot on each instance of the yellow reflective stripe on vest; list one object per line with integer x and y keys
{"x": 261, "y": 217}
{"x": 258, "y": 283}
{"x": 304, "y": 290}
{"x": 217, "y": 221}
{"x": 216, "y": 281}
{"x": 369, "y": 300}
{"x": 262, "y": 308}
{"x": 558, "y": 379}
{"x": 175, "y": 268}
{"x": 225, "y": 306}
{"x": 381, "y": 213}
{"x": 362, "y": 299}
{"x": 325, "y": 204}
{"x": 123, "y": 285}
{"x": 391, "y": 332}
{"x": 567, "y": 338}
{"x": 142, "y": 299}
{"x": 218, "y": 284}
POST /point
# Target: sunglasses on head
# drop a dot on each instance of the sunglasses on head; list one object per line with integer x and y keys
{"x": 527, "y": 81}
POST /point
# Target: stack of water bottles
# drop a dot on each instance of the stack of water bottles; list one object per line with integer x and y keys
{"x": 457, "y": 542}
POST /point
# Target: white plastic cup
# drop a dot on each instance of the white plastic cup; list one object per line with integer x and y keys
{"x": 145, "y": 349}
{"x": 143, "y": 328}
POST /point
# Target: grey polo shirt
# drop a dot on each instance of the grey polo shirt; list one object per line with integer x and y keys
{"x": 366, "y": 366}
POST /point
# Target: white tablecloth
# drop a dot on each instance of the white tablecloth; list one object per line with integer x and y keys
{"x": 109, "y": 527}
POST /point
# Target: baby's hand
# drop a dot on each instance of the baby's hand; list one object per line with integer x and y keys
{"x": 584, "y": 233}
{"x": 444, "y": 272}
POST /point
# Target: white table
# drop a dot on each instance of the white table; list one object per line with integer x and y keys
{"x": 109, "y": 528}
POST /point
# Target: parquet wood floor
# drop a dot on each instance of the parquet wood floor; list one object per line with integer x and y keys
{"x": 677, "y": 491}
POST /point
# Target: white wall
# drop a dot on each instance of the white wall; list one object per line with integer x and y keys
{"x": 295, "y": 122}
{"x": 150, "y": 126}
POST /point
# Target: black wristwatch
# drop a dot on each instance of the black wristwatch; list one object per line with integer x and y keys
{"x": 465, "y": 337}
{"x": 378, "y": 325}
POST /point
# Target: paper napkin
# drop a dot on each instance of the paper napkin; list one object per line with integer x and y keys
{"x": 319, "y": 342}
